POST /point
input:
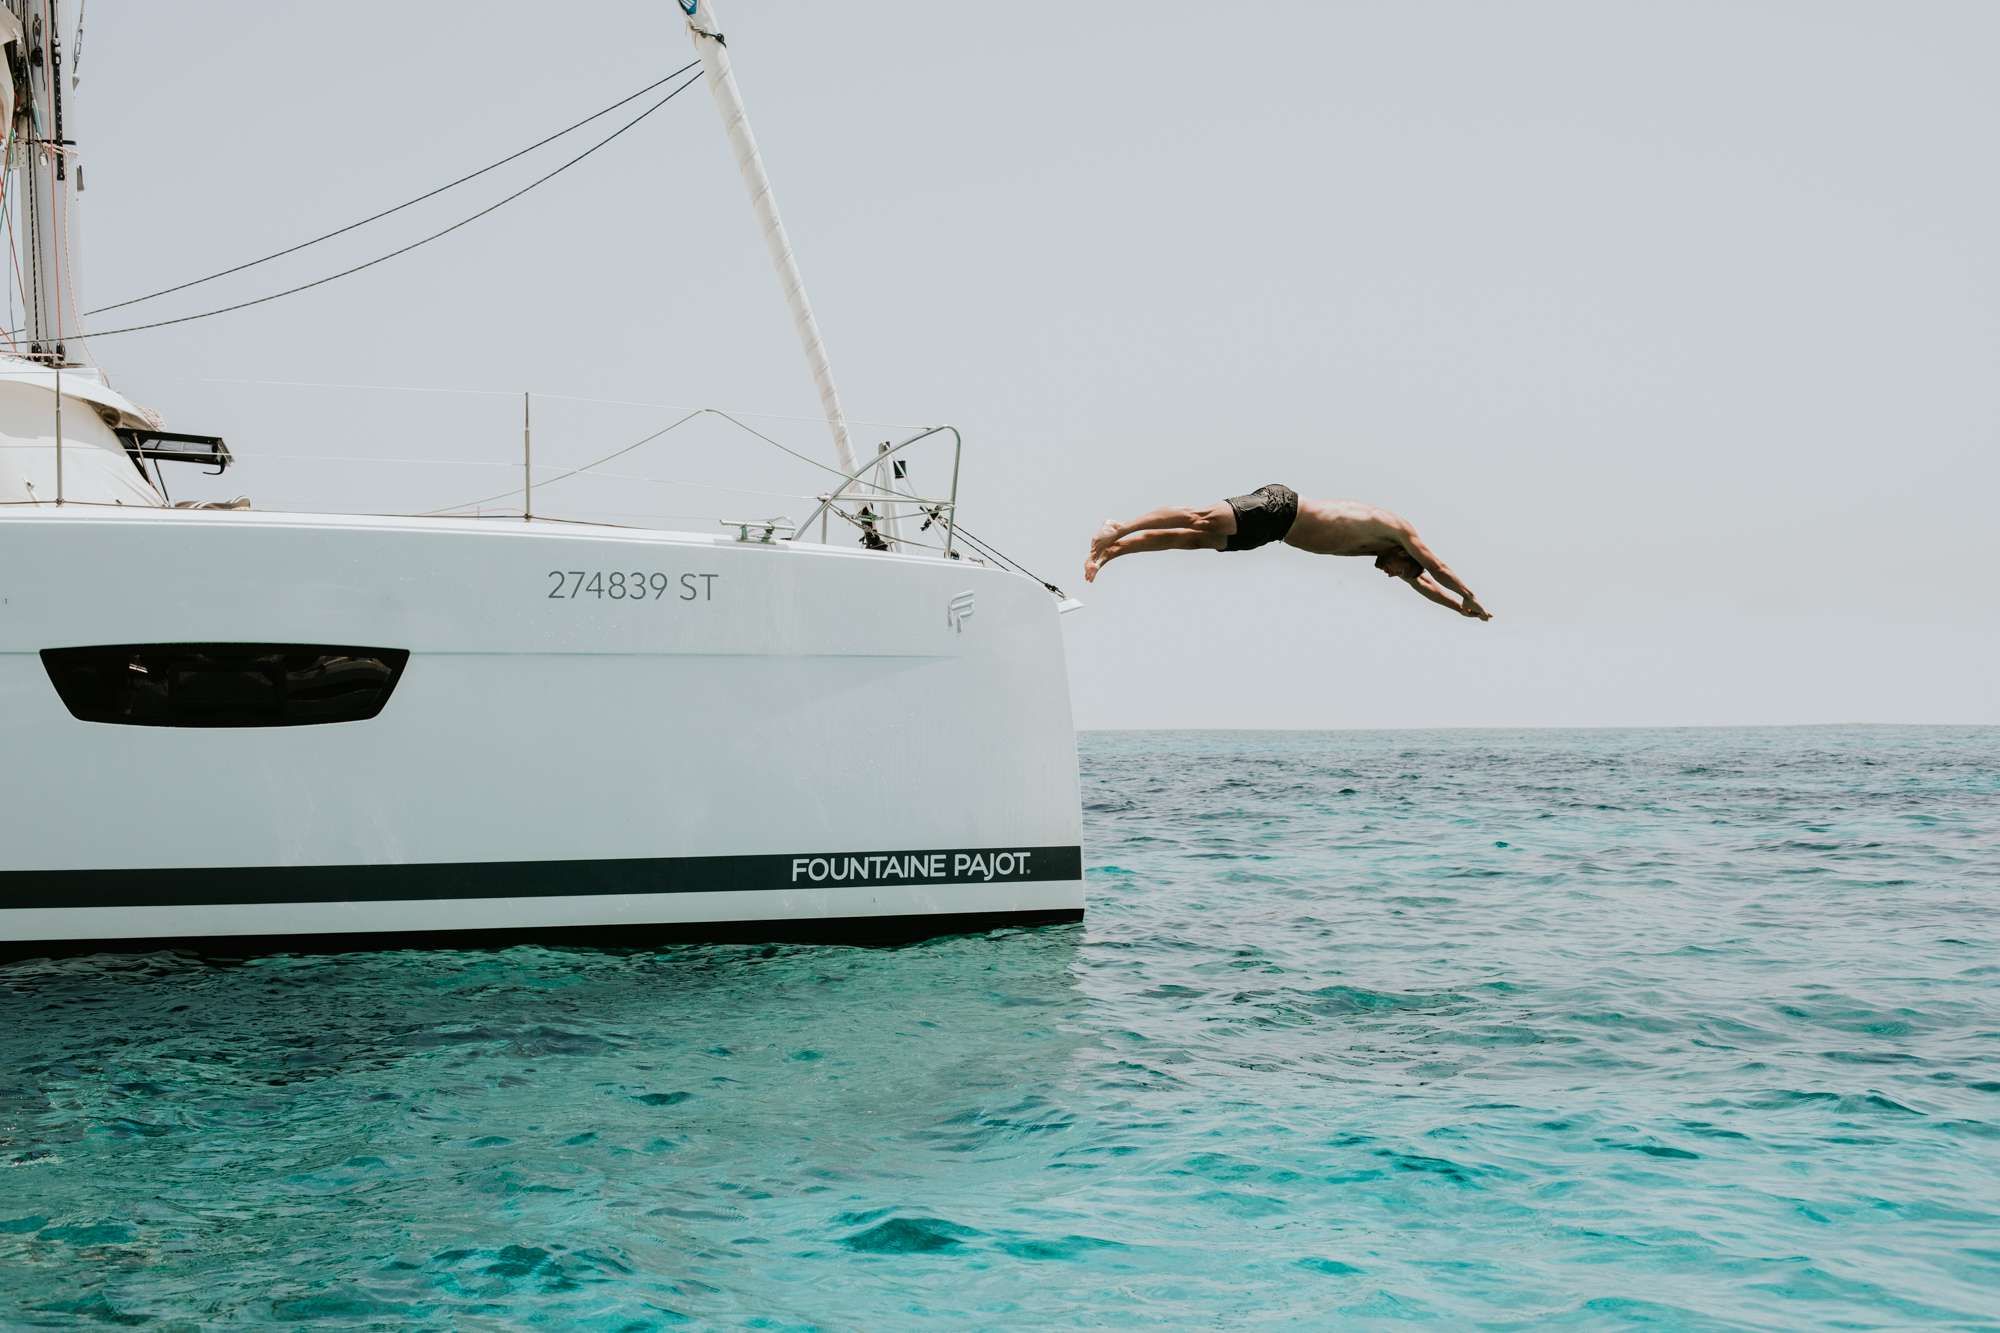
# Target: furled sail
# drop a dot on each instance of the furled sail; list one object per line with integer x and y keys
{"x": 714, "y": 51}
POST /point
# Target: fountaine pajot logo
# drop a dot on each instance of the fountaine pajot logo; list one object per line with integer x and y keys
{"x": 958, "y": 611}
{"x": 690, "y": 6}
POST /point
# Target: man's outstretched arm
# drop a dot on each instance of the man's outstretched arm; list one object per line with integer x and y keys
{"x": 1422, "y": 583}
{"x": 1428, "y": 558}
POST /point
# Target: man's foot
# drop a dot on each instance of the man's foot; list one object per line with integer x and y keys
{"x": 1099, "y": 544}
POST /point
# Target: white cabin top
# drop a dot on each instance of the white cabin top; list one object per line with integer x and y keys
{"x": 83, "y": 386}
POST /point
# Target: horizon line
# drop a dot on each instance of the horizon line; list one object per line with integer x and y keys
{"x": 1579, "y": 726}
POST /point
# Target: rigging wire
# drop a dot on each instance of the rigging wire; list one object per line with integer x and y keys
{"x": 544, "y": 394}
{"x": 401, "y": 250}
{"x": 648, "y": 439}
{"x": 984, "y": 549}
{"x": 13, "y": 256}
{"x": 407, "y": 203}
{"x": 993, "y": 553}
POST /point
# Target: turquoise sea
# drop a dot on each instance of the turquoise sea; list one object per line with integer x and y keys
{"x": 1499, "y": 1029}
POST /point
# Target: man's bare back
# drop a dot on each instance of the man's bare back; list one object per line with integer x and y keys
{"x": 1275, "y": 513}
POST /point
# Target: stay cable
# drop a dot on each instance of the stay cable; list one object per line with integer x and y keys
{"x": 407, "y": 203}
{"x": 401, "y": 250}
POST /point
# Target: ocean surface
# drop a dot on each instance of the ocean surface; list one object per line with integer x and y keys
{"x": 1501, "y": 1029}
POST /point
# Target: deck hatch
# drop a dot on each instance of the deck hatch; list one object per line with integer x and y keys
{"x": 224, "y": 684}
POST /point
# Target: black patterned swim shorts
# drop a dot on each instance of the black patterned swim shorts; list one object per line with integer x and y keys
{"x": 1264, "y": 515}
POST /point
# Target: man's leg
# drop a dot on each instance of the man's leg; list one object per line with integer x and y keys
{"x": 1151, "y": 539}
{"x": 1217, "y": 521}
{"x": 1171, "y": 516}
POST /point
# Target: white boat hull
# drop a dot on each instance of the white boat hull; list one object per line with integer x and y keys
{"x": 771, "y": 741}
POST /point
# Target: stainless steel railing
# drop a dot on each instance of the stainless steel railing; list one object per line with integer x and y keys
{"x": 944, "y": 510}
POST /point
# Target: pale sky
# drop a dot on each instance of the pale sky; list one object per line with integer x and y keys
{"x": 1674, "y": 328}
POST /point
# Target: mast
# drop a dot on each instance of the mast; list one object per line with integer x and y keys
{"x": 48, "y": 178}
{"x": 714, "y": 51}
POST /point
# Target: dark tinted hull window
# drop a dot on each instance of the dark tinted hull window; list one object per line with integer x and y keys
{"x": 224, "y": 684}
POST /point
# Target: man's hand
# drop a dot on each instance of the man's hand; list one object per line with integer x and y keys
{"x": 1468, "y": 608}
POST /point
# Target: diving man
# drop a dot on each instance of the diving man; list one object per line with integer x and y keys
{"x": 1276, "y": 513}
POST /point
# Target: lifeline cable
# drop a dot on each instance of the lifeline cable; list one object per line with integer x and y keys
{"x": 407, "y": 203}
{"x": 381, "y": 259}
{"x": 993, "y": 553}
{"x": 985, "y": 549}
{"x": 648, "y": 439}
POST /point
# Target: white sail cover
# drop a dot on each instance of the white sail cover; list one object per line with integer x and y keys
{"x": 10, "y": 35}
{"x": 714, "y": 51}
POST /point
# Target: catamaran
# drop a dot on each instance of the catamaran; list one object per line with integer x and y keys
{"x": 246, "y": 729}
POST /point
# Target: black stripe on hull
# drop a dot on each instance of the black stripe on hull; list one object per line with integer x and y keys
{"x": 233, "y": 886}
{"x": 853, "y": 930}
